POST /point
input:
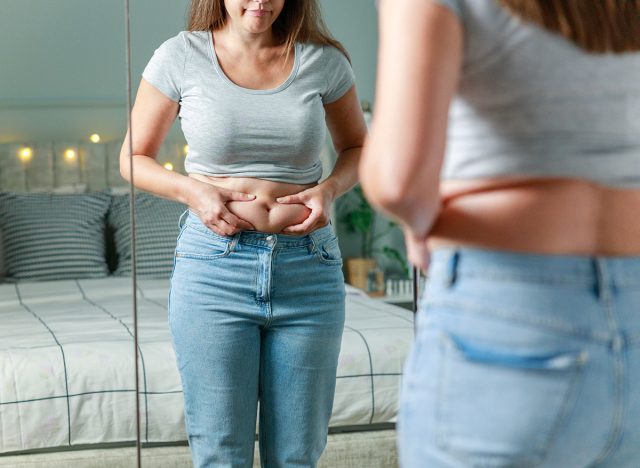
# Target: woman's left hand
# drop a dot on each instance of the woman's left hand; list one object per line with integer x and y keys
{"x": 417, "y": 249}
{"x": 318, "y": 200}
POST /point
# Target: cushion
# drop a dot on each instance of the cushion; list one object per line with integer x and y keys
{"x": 48, "y": 236}
{"x": 156, "y": 234}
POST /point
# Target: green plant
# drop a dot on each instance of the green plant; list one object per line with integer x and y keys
{"x": 360, "y": 218}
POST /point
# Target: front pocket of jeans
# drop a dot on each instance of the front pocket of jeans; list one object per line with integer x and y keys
{"x": 329, "y": 252}
{"x": 197, "y": 245}
{"x": 499, "y": 407}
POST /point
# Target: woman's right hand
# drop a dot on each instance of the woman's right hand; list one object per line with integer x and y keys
{"x": 209, "y": 203}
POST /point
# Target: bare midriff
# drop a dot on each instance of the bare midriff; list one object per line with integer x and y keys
{"x": 548, "y": 216}
{"x": 264, "y": 212}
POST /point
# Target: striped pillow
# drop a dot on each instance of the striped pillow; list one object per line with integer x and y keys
{"x": 49, "y": 236}
{"x": 156, "y": 234}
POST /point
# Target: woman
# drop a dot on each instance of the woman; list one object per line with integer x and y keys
{"x": 256, "y": 305}
{"x": 527, "y": 349}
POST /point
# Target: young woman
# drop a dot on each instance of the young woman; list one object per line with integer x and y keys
{"x": 528, "y": 344}
{"x": 256, "y": 305}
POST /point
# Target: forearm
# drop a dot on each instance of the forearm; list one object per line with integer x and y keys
{"x": 150, "y": 176}
{"x": 345, "y": 172}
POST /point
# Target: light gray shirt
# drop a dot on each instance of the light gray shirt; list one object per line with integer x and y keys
{"x": 531, "y": 102}
{"x": 275, "y": 134}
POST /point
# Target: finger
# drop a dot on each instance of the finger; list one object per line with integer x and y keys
{"x": 236, "y": 224}
{"x": 229, "y": 195}
{"x": 305, "y": 226}
{"x": 295, "y": 198}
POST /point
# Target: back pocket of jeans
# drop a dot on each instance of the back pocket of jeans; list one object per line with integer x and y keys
{"x": 500, "y": 407}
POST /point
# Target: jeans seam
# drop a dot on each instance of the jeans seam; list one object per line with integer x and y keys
{"x": 546, "y": 279}
{"x": 618, "y": 363}
{"x": 547, "y": 324}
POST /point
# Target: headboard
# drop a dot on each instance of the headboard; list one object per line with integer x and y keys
{"x": 92, "y": 166}
{"x": 61, "y": 166}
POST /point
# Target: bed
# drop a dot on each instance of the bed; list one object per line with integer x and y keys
{"x": 65, "y": 355}
{"x": 66, "y": 345}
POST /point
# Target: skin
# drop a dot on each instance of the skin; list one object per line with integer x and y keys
{"x": 251, "y": 57}
{"x": 420, "y": 55}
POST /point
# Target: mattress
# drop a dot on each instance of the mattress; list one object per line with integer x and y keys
{"x": 67, "y": 375}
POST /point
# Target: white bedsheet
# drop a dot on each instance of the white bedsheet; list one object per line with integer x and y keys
{"x": 67, "y": 373}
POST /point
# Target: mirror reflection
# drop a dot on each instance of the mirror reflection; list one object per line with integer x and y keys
{"x": 284, "y": 330}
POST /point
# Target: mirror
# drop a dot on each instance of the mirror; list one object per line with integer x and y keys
{"x": 379, "y": 321}
{"x": 66, "y": 378}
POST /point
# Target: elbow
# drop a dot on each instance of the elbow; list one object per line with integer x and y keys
{"x": 124, "y": 167}
{"x": 380, "y": 185}
{"x": 401, "y": 195}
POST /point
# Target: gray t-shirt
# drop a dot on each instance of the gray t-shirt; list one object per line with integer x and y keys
{"x": 275, "y": 134}
{"x": 531, "y": 102}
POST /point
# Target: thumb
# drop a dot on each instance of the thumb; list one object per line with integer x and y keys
{"x": 240, "y": 196}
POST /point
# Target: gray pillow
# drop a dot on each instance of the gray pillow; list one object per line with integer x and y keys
{"x": 49, "y": 236}
{"x": 156, "y": 234}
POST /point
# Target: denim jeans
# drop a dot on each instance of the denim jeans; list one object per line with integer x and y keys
{"x": 256, "y": 316}
{"x": 524, "y": 360}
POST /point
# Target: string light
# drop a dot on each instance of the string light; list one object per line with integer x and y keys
{"x": 185, "y": 149}
{"x": 168, "y": 166}
{"x": 70, "y": 155}
{"x": 25, "y": 154}
{"x": 95, "y": 138}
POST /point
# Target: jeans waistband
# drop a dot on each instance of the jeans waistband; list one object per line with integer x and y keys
{"x": 260, "y": 238}
{"x": 453, "y": 263}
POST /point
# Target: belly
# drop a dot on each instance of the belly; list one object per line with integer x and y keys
{"x": 552, "y": 216}
{"x": 264, "y": 212}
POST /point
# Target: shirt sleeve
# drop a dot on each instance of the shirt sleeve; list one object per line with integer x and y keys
{"x": 165, "y": 69}
{"x": 340, "y": 76}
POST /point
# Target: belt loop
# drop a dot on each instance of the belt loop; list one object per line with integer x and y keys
{"x": 180, "y": 220}
{"x": 602, "y": 285}
{"x": 452, "y": 268}
{"x": 234, "y": 241}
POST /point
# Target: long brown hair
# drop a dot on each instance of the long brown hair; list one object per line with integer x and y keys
{"x": 299, "y": 21}
{"x": 595, "y": 25}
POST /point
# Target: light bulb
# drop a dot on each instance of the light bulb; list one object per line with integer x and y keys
{"x": 186, "y": 149}
{"x": 70, "y": 155}
{"x": 168, "y": 166}
{"x": 25, "y": 154}
{"x": 95, "y": 138}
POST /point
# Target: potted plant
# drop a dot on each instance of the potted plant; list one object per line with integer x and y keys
{"x": 360, "y": 218}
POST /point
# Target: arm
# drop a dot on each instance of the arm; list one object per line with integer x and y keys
{"x": 420, "y": 55}
{"x": 348, "y": 130}
{"x": 151, "y": 118}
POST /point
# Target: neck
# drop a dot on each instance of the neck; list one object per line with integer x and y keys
{"x": 241, "y": 41}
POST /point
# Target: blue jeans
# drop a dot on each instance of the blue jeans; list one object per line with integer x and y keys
{"x": 256, "y": 316}
{"x": 524, "y": 360}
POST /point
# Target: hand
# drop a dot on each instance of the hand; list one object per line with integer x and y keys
{"x": 209, "y": 204}
{"x": 417, "y": 250}
{"x": 318, "y": 200}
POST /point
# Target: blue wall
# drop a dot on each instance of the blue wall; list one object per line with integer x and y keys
{"x": 63, "y": 67}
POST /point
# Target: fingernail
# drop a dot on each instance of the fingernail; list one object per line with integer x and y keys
{"x": 279, "y": 199}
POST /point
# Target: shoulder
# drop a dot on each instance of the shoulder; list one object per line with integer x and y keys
{"x": 322, "y": 54}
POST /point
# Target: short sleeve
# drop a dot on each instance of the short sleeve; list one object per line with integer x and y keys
{"x": 165, "y": 69}
{"x": 453, "y": 5}
{"x": 340, "y": 76}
